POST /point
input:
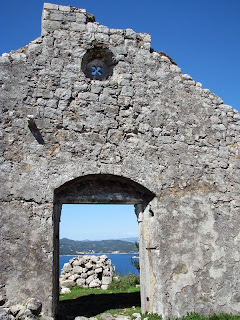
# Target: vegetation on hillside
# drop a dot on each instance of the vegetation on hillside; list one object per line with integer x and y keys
{"x": 72, "y": 247}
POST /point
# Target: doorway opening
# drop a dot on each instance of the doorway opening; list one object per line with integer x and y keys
{"x": 102, "y": 189}
{"x": 97, "y": 245}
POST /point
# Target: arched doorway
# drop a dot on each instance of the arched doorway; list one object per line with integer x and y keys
{"x": 101, "y": 189}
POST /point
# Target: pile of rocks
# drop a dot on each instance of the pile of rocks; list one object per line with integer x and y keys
{"x": 87, "y": 272}
{"x": 30, "y": 310}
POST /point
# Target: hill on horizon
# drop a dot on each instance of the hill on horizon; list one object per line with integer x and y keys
{"x": 73, "y": 247}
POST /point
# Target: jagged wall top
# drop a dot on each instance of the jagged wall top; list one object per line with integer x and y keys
{"x": 57, "y": 17}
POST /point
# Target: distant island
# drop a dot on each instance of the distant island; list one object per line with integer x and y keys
{"x": 73, "y": 247}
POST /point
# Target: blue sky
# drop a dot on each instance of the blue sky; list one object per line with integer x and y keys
{"x": 98, "y": 222}
{"x": 202, "y": 37}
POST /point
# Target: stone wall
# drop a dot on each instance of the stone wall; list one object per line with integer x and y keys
{"x": 137, "y": 118}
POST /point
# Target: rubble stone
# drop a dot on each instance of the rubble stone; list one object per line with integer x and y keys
{"x": 91, "y": 271}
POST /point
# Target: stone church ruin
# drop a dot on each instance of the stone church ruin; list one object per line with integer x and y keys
{"x": 91, "y": 114}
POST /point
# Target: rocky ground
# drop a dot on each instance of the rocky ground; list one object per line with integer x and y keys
{"x": 108, "y": 316}
{"x": 77, "y": 309}
{"x": 92, "y": 305}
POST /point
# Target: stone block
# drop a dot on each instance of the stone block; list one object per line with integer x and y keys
{"x": 81, "y": 318}
{"x": 66, "y": 267}
{"x": 77, "y": 269}
{"x": 146, "y": 37}
{"x": 130, "y": 34}
{"x": 56, "y": 16}
{"x": 127, "y": 91}
{"x": 68, "y": 283}
{"x": 102, "y": 37}
{"x": 89, "y": 279}
{"x": 96, "y": 283}
{"x": 81, "y": 282}
{"x": 88, "y": 96}
{"x": 81, "y": 18}
{"x": 50, "y": 26}
{"x": 63, "y": 93}
{"x": 90, "y": 272}
{"x": 106, "y": 280}
{"x": 34, "y": 305}
{"x": 104, "y": 286}
{"x": 78, "y": 26}
{"x": 65, "y": 290}
{"x": 50, "y": 6}
{"x": 107, "y": 316}
{"x": 64, "y": 8}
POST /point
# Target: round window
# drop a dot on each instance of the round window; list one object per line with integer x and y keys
{"x": 98, "y": 63}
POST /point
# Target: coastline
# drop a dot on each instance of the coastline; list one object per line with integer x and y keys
{"x": 81, "y": 254}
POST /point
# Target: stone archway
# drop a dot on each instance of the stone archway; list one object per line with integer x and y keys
{"x": 101, "y": 189}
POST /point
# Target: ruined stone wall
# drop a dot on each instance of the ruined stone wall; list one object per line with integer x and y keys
{"x": 141, "y": 119}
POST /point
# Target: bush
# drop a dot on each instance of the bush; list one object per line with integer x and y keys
{"x": 125, "y": 282}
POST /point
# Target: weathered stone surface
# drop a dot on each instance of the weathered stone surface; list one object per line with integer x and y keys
{"x": 106, "y": 280}
{"x": 96, "y": 283}
{"x": 24, "y": 313}
{"x": 81, "y": 318}
{"x": 136, "y": 316}
{"x": 106, "y": 316}
{"x": 15, "y": 309}
{"x": 123, "y": 317}
{"x": 5, "y": 316}
{"x": 34, "y": 305}
{"x": 81, "y": 282}
{"x": 145, "y": 135}
{"x": 68, "y": 283}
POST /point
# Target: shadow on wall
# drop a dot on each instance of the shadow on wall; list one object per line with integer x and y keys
{"x": 93, "y": 304}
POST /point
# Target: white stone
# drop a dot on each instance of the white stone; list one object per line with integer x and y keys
{"x": 65, "y": 290}
{"x": 66, "y": 267}
{"x": 50, "y": 6}
{"x": 77, "y": 26}
{"x": 130, "y": 34}
{"x": 81, "y": 282}
{"x": 77, "y": 270}
{"x": 64, "y": 8}
{"x": 98, "y": 270}
{"x": 106, "y": 280}
{"x": 81, "y": 18}
{"x": 95, "y": 283}
{"x": 186, "y": 77}
{"x": 104, "y": 286}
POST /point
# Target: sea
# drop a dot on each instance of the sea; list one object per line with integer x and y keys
{"x": 122, "y": 262}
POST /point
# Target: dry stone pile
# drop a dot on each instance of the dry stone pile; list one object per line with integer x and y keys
{"x": 87, "y": 272}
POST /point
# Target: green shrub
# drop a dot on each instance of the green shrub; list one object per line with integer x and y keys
{"x": 125, "y": 282}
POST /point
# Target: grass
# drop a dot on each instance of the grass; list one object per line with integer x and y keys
{"x": 125, "y": 284}
{"x": 192, "y": 316}
{"x": 221, "y": 316}
{"x": 123, "y": 312}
